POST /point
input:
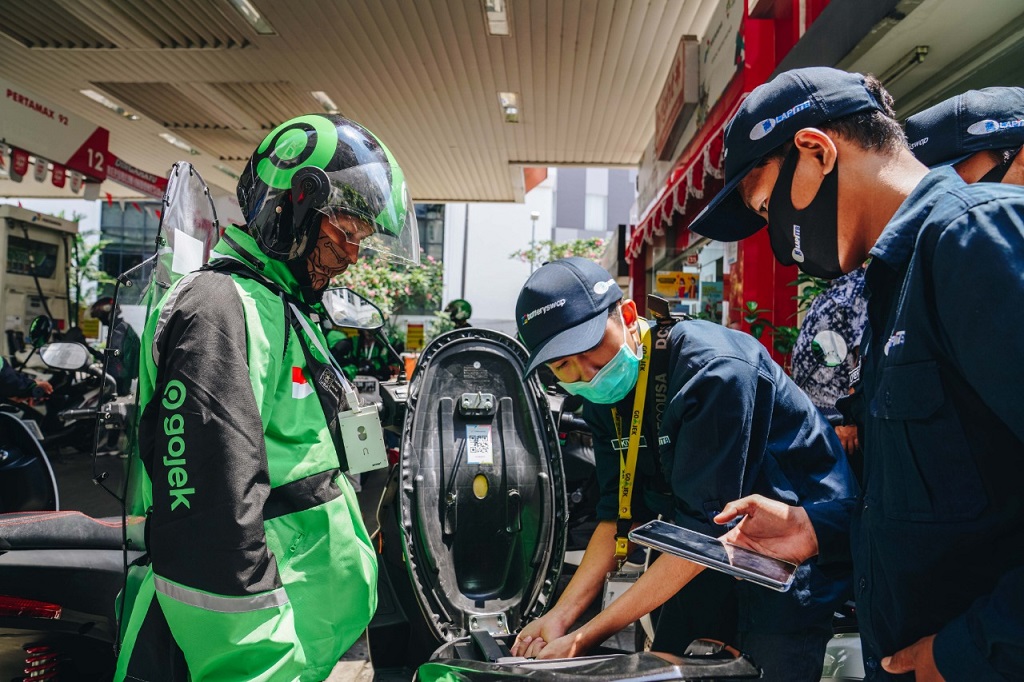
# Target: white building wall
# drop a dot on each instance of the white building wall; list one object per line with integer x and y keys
{"x": 493, "y": 231}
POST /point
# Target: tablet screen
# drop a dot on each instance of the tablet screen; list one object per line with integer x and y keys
{"x": 714, "y": 553}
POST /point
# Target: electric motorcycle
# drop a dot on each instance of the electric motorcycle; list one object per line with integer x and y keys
{"x": 475, "y": 520}
{"x": 60, "y": 571}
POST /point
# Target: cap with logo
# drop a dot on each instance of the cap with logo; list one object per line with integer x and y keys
{"x": 770, "y": 116}
{"x": 952, "y": 130}
{"x": 563, "y": 309}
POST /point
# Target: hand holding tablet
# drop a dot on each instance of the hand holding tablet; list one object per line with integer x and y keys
{"x": 715, "y": 553}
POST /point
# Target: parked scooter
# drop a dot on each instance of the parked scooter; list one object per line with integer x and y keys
{"x": 27, "y": 482}
{"x": 83, "y": 388}
{"x": 60, "y": 571}
{"x": 475, "y": 519}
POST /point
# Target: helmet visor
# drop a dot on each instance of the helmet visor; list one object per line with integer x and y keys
{"x": 368, "y": 192}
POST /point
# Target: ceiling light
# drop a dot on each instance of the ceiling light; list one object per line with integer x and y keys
{"x": 496, "y": 12}
{"x": 226, "y": 171}
{"x": 509, "y": 106}
{"x": 252, "y": 15}
{"x": 110, "y": 104}
{"x": 180, "y": 144}
{"x": 325, "y": 101}
{"x": 905, "y": 64}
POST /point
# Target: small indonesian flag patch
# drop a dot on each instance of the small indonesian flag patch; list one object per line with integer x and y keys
{"x": 300, "y": 387}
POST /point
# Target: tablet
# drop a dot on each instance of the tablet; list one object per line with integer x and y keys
{"x": 722, "y": 556}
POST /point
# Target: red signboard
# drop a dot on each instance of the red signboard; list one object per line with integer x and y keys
{"x": 125, "y": 174}
{"x": 679, "y": 90}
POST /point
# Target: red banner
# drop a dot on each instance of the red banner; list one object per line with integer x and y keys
{"x": 58, "y": 177}
{"x": 125, "y": 174}
{"x": 19, "y": 161}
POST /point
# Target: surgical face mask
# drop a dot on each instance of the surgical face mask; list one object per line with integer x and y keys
{"x": 614, "y": 381}
{"x": 808, "y": 237}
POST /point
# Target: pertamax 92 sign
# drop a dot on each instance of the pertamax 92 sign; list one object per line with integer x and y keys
{"x": 33, "y": 124}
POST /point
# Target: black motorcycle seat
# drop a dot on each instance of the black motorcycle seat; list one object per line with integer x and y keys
{"x": 67, "y": 530}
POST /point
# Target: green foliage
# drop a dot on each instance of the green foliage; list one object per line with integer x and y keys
{"x": 544, "y": 251}
{"x": 441, "y": 323}
{"x": 395, "y": 334}
{"x": 396, "y": 289}
{"x": 711, "y": 312}
{"x": 84, "y": 264}
{"x": 808, "y": 289}
{"x": 784, "y": 337}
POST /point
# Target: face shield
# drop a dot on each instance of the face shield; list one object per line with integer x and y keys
{"x": 369, "y": 193}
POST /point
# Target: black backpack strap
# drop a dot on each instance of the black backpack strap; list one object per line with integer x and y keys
{"x": 322, "y": 372}
{"x": 231, "y": 266}
{"x": 658, "y": 308}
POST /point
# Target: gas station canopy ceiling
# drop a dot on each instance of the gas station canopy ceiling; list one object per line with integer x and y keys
{"x": 424, "y": 75}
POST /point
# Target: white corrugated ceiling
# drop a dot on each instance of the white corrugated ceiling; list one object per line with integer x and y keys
{"x": 422, "y": 74}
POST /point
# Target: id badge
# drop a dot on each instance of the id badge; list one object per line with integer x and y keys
{"x": 363, "y": 440}
{"x": 615, "y": 583}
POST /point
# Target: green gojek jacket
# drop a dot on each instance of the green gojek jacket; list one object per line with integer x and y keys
{"x": 261, "y": 566}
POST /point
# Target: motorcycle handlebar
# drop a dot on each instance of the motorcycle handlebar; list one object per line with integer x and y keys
{"x": 572, "y": 422}
{"x": 77, "y": 414}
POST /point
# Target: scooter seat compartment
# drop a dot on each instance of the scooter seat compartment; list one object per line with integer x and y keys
{"x": 68, "y": 530}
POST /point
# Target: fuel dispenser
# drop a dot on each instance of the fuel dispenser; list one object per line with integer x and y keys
{"x": 34, "y": 281}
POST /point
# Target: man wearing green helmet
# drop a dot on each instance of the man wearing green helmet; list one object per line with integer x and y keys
{"x": 459, "y": 311}
{"x": 261, "y": 567}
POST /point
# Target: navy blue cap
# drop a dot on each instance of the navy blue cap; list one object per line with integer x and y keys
{"x": 952, "y": 130}
{"x": 563, "y": 309}
{"x": 768, "y": 118}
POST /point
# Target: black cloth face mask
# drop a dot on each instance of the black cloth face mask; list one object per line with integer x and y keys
{"x": 808, "y": 237}
{"x": 999, "y": 171}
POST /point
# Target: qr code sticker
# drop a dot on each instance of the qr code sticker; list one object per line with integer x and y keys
{"x": 478, "y": 444}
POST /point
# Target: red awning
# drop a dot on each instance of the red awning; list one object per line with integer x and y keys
{"x": 686, "y": 182}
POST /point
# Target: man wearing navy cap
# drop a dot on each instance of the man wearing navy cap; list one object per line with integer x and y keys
{"x": 938, "y": 541}
{"x": 727, "y": 422}
{"x": 979, "y": 133}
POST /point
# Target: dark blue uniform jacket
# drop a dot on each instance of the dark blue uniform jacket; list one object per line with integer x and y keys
{"x": 939, "y": 539}
{"x": 735, "y": 425}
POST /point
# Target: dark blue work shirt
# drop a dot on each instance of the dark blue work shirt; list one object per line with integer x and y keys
{"x": 939, "y": 540}
{"x": 735, "y": 425}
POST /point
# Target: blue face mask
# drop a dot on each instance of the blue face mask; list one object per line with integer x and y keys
{"x": 614, "y": 381}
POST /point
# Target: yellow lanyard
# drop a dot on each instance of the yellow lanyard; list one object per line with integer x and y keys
{"x": 627, "y": 467}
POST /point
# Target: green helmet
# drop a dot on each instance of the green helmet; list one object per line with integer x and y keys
{"x": 459, "y": 310}
{"x": 325, "y": 165}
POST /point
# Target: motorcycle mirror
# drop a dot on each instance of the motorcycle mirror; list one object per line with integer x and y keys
{"x": 829, "y": 348}
{"x": 39, "y": 330}
{"x": 346, "y": 308}
{"x": 61, "y": 355}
